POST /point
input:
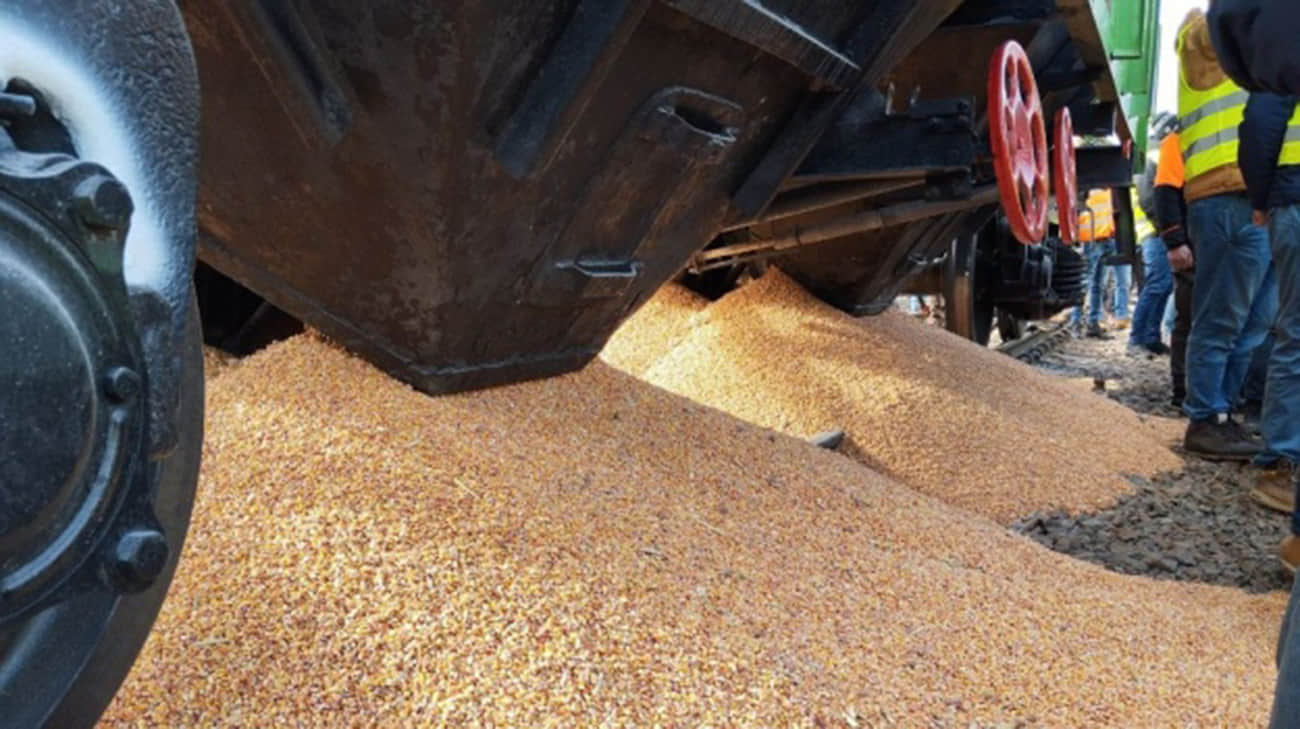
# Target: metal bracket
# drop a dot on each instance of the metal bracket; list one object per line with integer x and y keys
{"x": 674, "y": 135}
{"x": 929, "y": 136}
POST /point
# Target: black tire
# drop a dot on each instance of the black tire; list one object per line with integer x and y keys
{"x": 968, "y": 310}
{"x": 61, "y": 668}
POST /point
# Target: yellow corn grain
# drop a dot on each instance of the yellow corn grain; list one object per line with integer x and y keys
{"x": 954, "y": 420}
{"x": 591, "y": 550}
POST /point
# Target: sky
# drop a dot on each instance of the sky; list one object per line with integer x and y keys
{"x": 1171, "y": 14}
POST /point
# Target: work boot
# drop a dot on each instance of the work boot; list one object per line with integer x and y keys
{"x": 1219, "y": 439}
{"x": 1146, "y": 351}
{"x": 1095, "y": 331}
{"x": 1120, "y": 323}
{"x": 1289, "y": 552}
{"x": 1275, "y": 487}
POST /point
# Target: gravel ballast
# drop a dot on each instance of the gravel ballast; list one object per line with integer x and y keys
{"x": 960, "y": 422}
{"x": 1195, "y": 523}
{"x": 594, "y": 551}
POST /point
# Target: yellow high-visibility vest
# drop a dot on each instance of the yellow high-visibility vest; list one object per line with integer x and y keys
{"x": 1142, "y": 226}
{"x": 1097, "y": 219}
{"x": 1208, "y": 119}
{"x": 1291, "y": 146}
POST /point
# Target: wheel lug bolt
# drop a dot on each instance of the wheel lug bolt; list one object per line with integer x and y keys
{"x": 103, "y": 202}
{"x": 140, "y": 557}
{"x": 122, "y": 384}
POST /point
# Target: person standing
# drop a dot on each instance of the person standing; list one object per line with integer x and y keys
{"x": 1270, "y": 163}
{"x": 1234, "y": 299}
{"x": 1157, "y": 281}
{"x": 1256, "y": 44}
{"x": 1257, "y": 40}
{"x": 1097, "y": 233}
{"x": 1171, "y": 221}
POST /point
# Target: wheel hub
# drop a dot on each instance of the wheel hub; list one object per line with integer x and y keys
{"x": 48, "y": 375}
{"x": 84, "y": 94}
{"x": 70, "y": 380}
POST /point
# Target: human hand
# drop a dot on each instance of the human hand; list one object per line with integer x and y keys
{"x": 1259, "y": 217}
{"x": 1181, "y": 258}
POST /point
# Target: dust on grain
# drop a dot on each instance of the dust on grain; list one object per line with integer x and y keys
{"x": 594, "y": 551}
{"x": 954, "y": 420}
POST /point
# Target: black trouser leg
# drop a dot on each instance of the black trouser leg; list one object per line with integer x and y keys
{"x": 1182, "y": 326}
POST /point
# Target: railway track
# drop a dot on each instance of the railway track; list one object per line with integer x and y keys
{"x": 1033, "y": 347}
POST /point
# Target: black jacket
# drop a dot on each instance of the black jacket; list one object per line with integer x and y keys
{"x": 1262, "y": 134}
{"x": 1171, "y": 216}
{"x": 1256, "y": 41}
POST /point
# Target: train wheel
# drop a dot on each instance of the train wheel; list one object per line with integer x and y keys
{"x": 1065, "y": 178}
{"x": 968, "y": 308}
{"x": 1010, "y": 326}
{"x": 1018, "y": 138}
{"x": 101, "y": 398}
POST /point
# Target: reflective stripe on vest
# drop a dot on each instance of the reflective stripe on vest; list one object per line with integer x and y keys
{"x": 1208, "y": 119}
{"x": 1236, "y": 98}
{"x": 1209, "y": 141}
{"x": 1291, "y": 147}
{"x": 1097, "y": 218}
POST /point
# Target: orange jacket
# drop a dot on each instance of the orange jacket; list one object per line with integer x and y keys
{"x": 1169, "y": 170}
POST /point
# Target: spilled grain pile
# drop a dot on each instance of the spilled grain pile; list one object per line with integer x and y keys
{"x": 678, "y": 310}
{"x": 593, "y": 551}
{"x": 215, "y": 362}
{"x": 960, "y": 422}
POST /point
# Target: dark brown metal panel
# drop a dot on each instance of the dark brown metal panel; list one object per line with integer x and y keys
{"x": 955, "y": 62}
{"x": 776, "y": 33}
{"x": 888, "y": 33}
{"x": 365, "y": 169}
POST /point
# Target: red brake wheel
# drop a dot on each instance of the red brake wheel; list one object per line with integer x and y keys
{"x": 1018, "y": 136}
{"x": 1065, "y": 181}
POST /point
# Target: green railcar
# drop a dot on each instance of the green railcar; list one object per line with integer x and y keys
{"x": 1131, "y": 33}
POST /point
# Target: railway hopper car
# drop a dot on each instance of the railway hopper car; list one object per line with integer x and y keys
{"x": 469, "y": 194}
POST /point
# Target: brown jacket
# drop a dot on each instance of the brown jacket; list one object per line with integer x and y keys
{"x": 1200, "y": 68}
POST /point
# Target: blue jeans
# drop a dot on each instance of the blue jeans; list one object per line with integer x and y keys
{"x": 1286, "y": 697}
{"x": 1154, "y": 297}
{"x": 1234, "y": 302}
{"x": 1123, "y": 274}
{"x": 1257, "y": 375}
{"x": 1280, "y": 421}
{"x": 1093, "y": 253}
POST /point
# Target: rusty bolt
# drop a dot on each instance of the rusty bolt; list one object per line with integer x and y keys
{"x": 139, "y": 558}
{"x": 103, "y": 202}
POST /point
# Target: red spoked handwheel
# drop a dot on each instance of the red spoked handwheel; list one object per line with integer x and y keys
{"x": 1018, "y": 136}
{"x": 1065, "y": 181}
